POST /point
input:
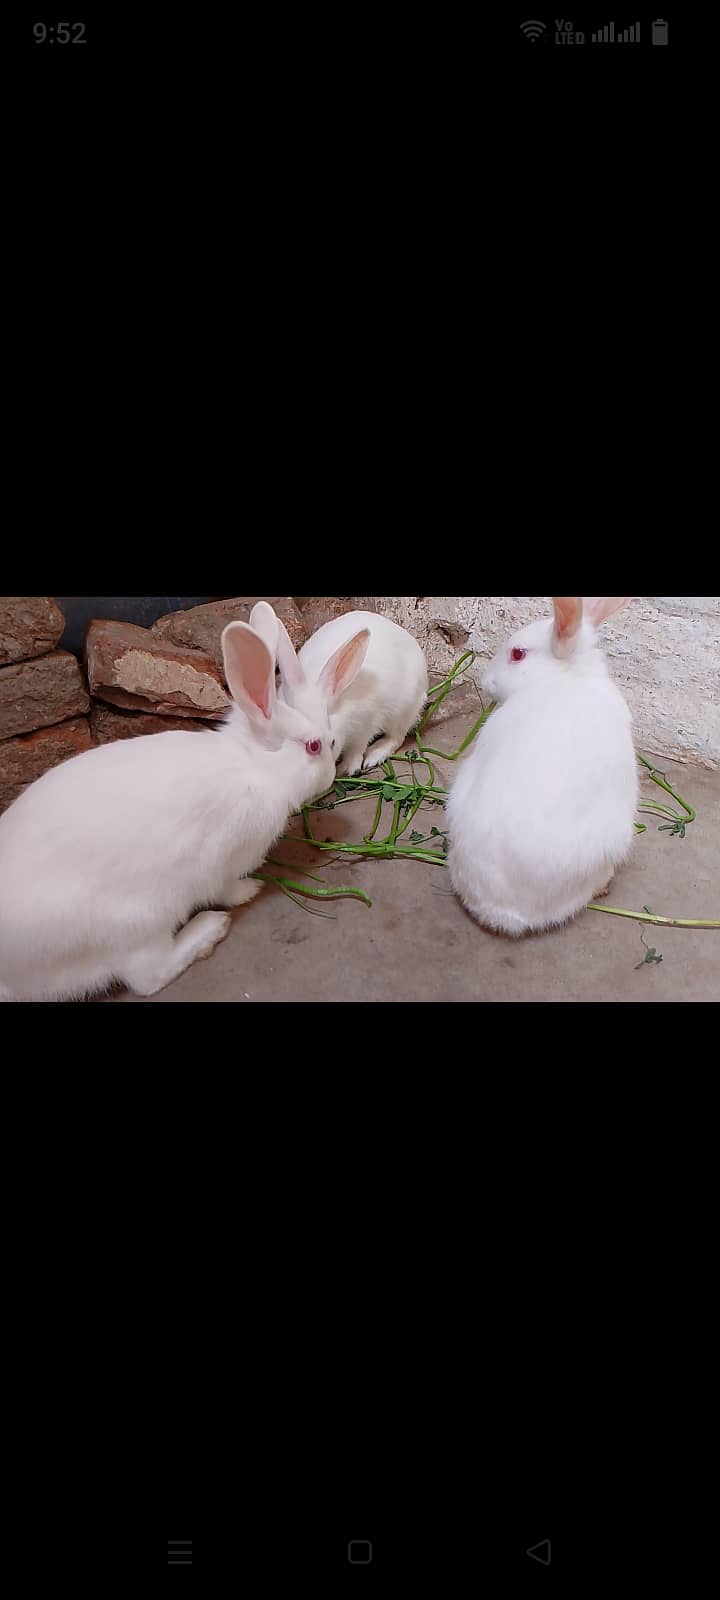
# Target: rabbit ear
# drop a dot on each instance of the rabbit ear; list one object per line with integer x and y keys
{"x": 599, "y": 607}
{"x": 250, "y": 671}
{"x": 343, "y": 667}
{"x": 287, "y": 659}
{"x": 264, "y": 621}
{"x": 568, "y": 619}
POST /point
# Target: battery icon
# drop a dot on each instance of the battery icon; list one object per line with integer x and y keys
{"x": 660, "y": 32}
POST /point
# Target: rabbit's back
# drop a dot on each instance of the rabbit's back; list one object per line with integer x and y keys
{"x": 543, "y": 809}
{"x": 391, "y": 687}
{"x": 86, "y": 806}
{"x": 142, "y": 827}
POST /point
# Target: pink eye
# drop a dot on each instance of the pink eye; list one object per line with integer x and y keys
{"x": 313, "y": 747}
{"x": 518, "y": 655}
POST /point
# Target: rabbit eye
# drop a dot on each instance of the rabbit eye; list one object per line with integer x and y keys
{"x": 518, "y": 655}
{"x": 313, "y": 747}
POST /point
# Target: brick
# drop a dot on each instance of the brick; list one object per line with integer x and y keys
{"x": 36, "y": 694}
{"x": 201, "y": 628}
{"x": 27, "y": 758}
{"x": 108, "y": 724}
{"x": 30, "y": 625}
{"x": 140, "y": 670}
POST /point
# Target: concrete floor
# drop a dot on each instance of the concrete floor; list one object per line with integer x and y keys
{"x": 417, "y": 943}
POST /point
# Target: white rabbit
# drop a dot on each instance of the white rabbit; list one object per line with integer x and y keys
{"x": 364, "y": 671}
{"x": 103, "y": 859}
{"x": 542, "y": 812}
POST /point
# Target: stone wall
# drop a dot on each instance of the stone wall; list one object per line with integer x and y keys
{"x": 43, "y": 696}
{"x": 664, "y": 650}
{"x": 131, "y": 680}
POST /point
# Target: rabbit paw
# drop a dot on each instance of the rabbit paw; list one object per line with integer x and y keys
{"x": 351, "y": 764}
{"x": 208, "y": 929}
{"x": 241, "y": 892}
{"x": 379, "y": 752}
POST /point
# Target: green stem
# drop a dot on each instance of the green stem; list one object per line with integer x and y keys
{"x": 376, "y": 824}
{"x": 347, "y": 800}
{"x": 411, "y": 814}
{"x": 311, "y": 911}
{"x": 291, "y": 866}
{"x": 348, "y": 782}
{"x": 460, "y": 666}
{"x": 392, "y": 836}
{"x": 433, "y": 706}
{"x": 662, "y": 784}
{"x": 442, "y": 690}
{"x": 342, "y": 892}
{"x": 421, "y": 761}
{"x": 383, "y": 851}
{"x": 660, "y": 922}
{"x": 463, "y": 747}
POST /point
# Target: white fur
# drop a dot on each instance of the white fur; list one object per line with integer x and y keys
{"x": 103, "y": 859}
{"x": 542, "y": 812}
{"x": 384, "y": 696}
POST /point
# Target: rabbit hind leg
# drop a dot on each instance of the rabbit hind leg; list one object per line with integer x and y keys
{"x": 155, "y": 965}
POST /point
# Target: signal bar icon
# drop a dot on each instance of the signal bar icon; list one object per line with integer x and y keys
{"x": 606, "y": 35}
{"x": 533, "y": 30}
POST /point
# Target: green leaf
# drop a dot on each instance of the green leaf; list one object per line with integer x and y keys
{"x": 651, "y": 959}
{"x": 418, "y": 838}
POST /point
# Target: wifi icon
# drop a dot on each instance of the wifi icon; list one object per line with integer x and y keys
{"x": 532, "y": 30}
